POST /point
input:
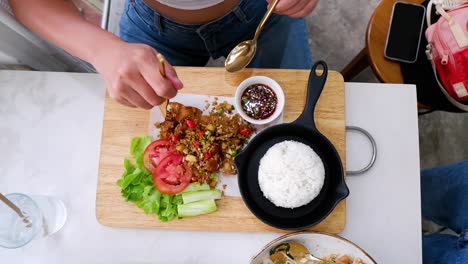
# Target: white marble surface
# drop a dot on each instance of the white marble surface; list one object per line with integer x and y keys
{"x": 50, "y": 132}
{"x": 383, "y": 208}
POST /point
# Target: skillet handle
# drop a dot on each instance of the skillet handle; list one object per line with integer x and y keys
{"x": 314, "y": 89}
{"x": 374, "y": 150}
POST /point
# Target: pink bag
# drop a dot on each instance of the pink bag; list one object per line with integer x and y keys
{"x": 448, "y": 51}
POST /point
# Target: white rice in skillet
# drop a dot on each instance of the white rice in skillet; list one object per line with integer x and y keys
{"x": 291, "y": 174}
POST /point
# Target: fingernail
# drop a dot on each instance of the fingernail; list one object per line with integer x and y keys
{"x": 179, "y": 85}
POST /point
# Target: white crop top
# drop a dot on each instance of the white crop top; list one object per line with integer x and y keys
{"x": 190, "y": 4}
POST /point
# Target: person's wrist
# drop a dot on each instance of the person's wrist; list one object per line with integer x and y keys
{"x": 102, "y": 47}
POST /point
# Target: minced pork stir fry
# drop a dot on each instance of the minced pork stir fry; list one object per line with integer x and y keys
{"x": 210, "y": 142}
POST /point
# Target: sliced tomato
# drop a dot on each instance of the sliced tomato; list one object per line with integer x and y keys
{"x": 155, "y": 152}
{"x": 207, "y": 155}
{"x": 201, "y": 133}
{"x": 175, "y": 138}
{"x": 172, "y": 175}
{"x": 190, "y": 123}
{"x": 245, "y": 132}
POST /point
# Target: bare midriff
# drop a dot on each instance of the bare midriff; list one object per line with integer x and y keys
{"x": 199, "y": 16}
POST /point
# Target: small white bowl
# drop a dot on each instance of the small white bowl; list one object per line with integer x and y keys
{"x": 261, "y": 80}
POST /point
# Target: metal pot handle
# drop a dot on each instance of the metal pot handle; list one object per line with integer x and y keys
{"x": 374, "y": 150}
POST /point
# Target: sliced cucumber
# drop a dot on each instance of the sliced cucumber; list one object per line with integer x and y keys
{"x": 196, "y": 186}
{"x": 189, "y": 197}
{"x": 196, "y": 208}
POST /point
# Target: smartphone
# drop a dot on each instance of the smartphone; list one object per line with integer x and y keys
{"x": 405, "y": 32}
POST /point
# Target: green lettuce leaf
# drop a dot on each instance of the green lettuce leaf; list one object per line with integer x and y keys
{"x": 151, "y": 200}
{"x": 137, "y": 186}
{"x": 129, "y": 168}
{"x": 168, "y": 210}
{"x": 130, "y": 178}
{"x": 137, "y": 148}
{"x": 138, "y": 145}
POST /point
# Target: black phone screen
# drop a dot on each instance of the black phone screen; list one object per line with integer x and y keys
{"x": 405, "y": 32}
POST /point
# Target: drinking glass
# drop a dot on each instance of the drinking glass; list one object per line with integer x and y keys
{"x": 46, "y": 214}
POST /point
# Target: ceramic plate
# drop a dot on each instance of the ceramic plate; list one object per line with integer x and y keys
{"x": 319, "y": 244}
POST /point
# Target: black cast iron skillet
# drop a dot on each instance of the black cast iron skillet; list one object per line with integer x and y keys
{"x": 302, "y": 130}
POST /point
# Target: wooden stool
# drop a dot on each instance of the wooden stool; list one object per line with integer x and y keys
{"x": 387, "y": 71}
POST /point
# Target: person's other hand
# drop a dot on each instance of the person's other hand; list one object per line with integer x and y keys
{"x": 132, "y": 77}
{"x": 295, "y": 8}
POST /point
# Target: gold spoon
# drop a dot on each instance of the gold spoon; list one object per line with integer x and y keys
{"x": 293, "y": 252}
{"x": 241, "y": 55}
{"x": 162, "y": 71}
{"x": 16, "y": 209}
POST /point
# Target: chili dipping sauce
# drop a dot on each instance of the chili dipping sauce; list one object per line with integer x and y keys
{"x": 259, "y": 101}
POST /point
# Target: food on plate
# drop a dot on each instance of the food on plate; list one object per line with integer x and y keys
{"x": 195, "y": 196}
{"x": 157, "y": 151}
{"x": 341, "y": 259}
{"x": 138, "y": 183}
{"x": 291, "y": 174}
{"x": 281, "y": 257}
{"x": 288, "y": 252}
{"x": 194, "y": 208}
{"x": 170, "y": 173}
{"x": 173, "y": 177}
{"x": 208, "y": 143}
{"x": 259, "y": 101}
{"x": 294, "y": 252}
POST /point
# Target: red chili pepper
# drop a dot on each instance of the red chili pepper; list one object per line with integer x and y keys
{"x": 175, "y": 138}
{"x": 245, "y": 132}
{"x": 196, "y": 144}
{"x": 201, "y": 133}
{"x": 190, "y": 123}
{"x": 208, "y": 155}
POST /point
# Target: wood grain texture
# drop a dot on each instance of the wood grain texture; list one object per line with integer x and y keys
{"x": 387, "y": 71}
{"x": 121, "y": 124}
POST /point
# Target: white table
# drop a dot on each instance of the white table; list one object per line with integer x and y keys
{"x": 50, "y": 133}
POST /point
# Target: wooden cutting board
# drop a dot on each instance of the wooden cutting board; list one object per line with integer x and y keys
{"x": 121, "y": 124}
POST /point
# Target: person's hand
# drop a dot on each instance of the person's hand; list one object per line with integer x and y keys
{"x": 295, "y": 8}
{"x": 132, "y": 77}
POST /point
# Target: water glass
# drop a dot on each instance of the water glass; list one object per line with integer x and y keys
{"x": 46, "y": 214}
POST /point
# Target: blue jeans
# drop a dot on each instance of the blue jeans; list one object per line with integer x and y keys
{"x": 445, "y": 202}
{"x": 283, "y": 42}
